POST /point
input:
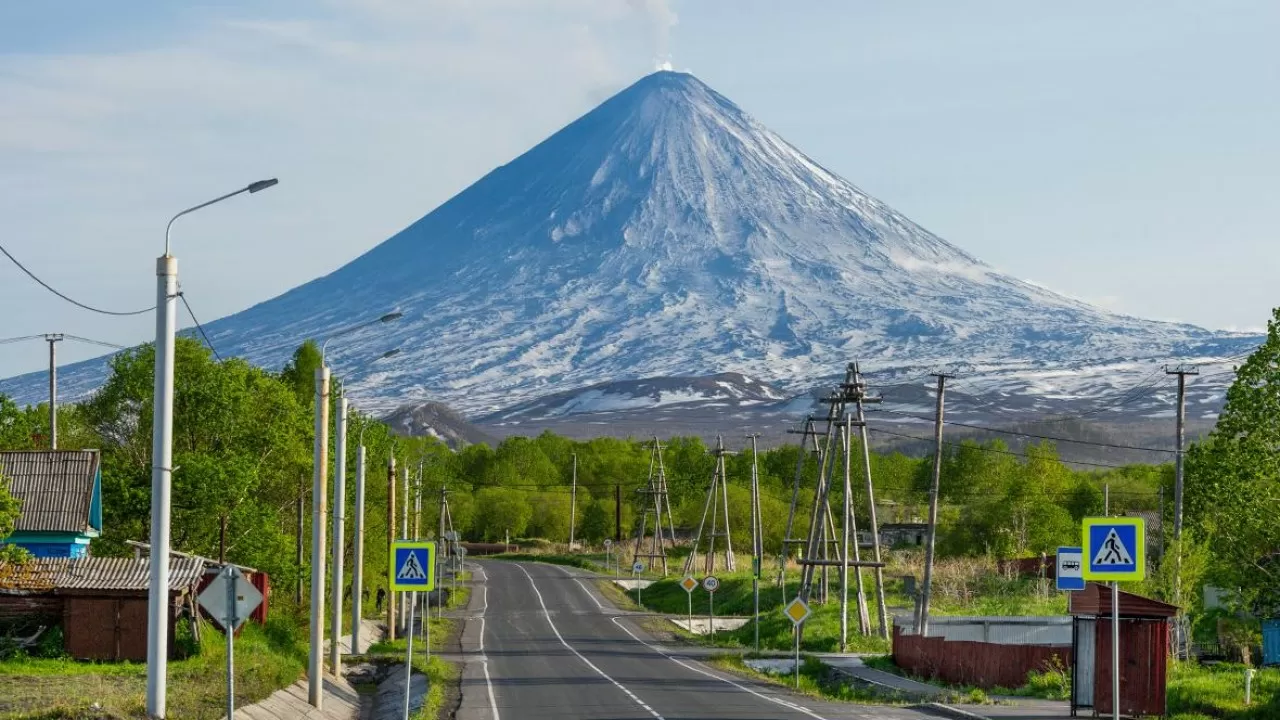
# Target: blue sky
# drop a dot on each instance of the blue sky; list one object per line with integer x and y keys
{"x": 1122, "y": 153}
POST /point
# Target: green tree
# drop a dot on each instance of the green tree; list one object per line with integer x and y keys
{"x": 299, "y": 374}
{"x": 10, "y": 509}
{"x": 595, "y": 522}
{"x": 1233, "y": 479}
{"x": 499, "y": 510}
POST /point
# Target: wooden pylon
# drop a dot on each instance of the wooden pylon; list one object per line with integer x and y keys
{"x": 717, "y": 506}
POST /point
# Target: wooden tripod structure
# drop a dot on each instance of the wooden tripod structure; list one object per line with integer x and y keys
{"x": 823, "y": 549}
{"x": 717, "y": 503}
{"x": 655, "y": 500}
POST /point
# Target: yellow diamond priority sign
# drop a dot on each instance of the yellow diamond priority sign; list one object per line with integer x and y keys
{"x": 797, "y": 610}
{"x": 689, "y": 584}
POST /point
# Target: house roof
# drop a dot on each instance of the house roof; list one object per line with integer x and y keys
{"x": 93, "y": 573}
{"x": 1095, "y": 599}
{"x": 55, "y": 488}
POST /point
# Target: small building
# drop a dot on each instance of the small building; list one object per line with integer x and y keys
{"x": 893, "y": 535}
{"x": 60, "y": 492}
{"x": 101, "y": 603}
{"x": 1144, "y": 650}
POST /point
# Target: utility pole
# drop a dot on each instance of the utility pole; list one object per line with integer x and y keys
{"x": 573, "y": 502}
{"x": 757, "y": 555}
{"x": 339, "y": 532}
{"x": 319, "y": 509}
{"x": 1106, "y": 499}
{"x": 417, "y": 506}
{"x": 53, "y": 339}
{"x": 404, "y": 533}
{"x": 922, "y": 627}
{"x": 1182, "y": 372}
{"x": 357, "y": 563}
{"x": 859, "y": 399}
{"x": 391, "y": 539}
{"x": 617, "y": 516}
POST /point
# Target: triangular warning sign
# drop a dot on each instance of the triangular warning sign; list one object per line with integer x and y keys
{"x": 1112, "y": 551}
{"x": 411, "y": 569}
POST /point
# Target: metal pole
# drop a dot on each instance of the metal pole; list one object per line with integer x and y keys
{"x": 391, "y": 539}
{"x": 573, "y": 502}
{"x": 357, "y": 564}
{"x": 53, "y": 390}
{"x": 711, "y": 614}
{"x": 231, "y": 573}
{"x": 795, "y": 634}
{"x": 408, "y": 661}
{"x": 319, "y": 508}
{"x": 1115, "y": 651}
{"x": 922, "y": 627}
{"x": 161, "y": 483}
{"x": 339, "y": 530}
{"x": 690, "y": 594}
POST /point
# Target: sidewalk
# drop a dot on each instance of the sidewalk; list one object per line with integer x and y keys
{"x": 370, "y": 633}
{"x": 341, "y": 702}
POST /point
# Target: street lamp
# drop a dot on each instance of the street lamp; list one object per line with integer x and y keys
{"x": 315, "y": 670}
{"x": 357, "y": 569}
{"x": 162, "y": 462}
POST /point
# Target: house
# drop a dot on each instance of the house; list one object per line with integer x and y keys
{"x": 101, "y": 603}
{"x": 60, "y": 492}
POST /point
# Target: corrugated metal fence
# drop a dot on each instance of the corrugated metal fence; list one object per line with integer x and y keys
{"x": 987, "y": 652}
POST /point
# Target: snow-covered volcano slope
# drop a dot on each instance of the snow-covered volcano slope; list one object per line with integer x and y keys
{"x": 668, "y": 233}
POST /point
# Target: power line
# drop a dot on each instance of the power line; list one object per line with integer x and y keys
{"x": 1024, "y": 434}
{"x": 73, "y": 301}
{"x": 199, "y": 327}
{"x": 988, "y": 449}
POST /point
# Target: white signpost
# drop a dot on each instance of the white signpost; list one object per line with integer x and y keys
{"x": 711, "y": 583}
{"x": 230, "y": 600}
{"x": 637, "y": 567}
{"x": 608, "y": 544}
{"x": 797, "y": 611}
{"x": 689, "y": 584}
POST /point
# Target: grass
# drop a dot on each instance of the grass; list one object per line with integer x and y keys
{"x": 1051, "y": 683}
{"x": 1199, "y": 693}
{"x": 816, "y": 680}
{"x": 439, "y": 674}
{"x": 267, "y": 659}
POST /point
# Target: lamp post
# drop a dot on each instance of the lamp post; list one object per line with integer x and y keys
{"x": 357, "y": 562}
{"x": 315, "y": 661}
{"x": 162, "y": 461}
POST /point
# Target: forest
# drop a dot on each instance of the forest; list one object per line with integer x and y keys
{"x": 243, "y": 447}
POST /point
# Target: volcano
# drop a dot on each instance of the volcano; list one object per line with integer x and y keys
{"x": 668, "y": 233}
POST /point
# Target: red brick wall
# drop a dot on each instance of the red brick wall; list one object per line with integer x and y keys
{"x": 962, "y": 662}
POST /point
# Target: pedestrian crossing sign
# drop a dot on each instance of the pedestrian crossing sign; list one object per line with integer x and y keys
{"x": 1114, "y": 549}
{"x": 414, "y": 566}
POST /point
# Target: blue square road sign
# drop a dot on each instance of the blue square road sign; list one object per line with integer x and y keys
{"x": 1114, "y": 549}
{"x": 414, "y": 566}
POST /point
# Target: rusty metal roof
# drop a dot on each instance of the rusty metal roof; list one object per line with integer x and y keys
{"x": 94, "y": 573}
{"x": 55, "y": 488}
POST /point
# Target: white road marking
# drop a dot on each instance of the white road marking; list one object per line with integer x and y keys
{"x": 571, "y": 649}
{"x": 484, "y": 660}
{"x": 778, "y": 701}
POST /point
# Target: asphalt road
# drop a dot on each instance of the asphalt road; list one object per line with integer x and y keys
{"x": 541, "y": 643}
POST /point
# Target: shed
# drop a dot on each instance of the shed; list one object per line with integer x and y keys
{"x": 1144, "y": 649}
{"x": 60, "y": 492}
{"x": 101, "y": 602}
